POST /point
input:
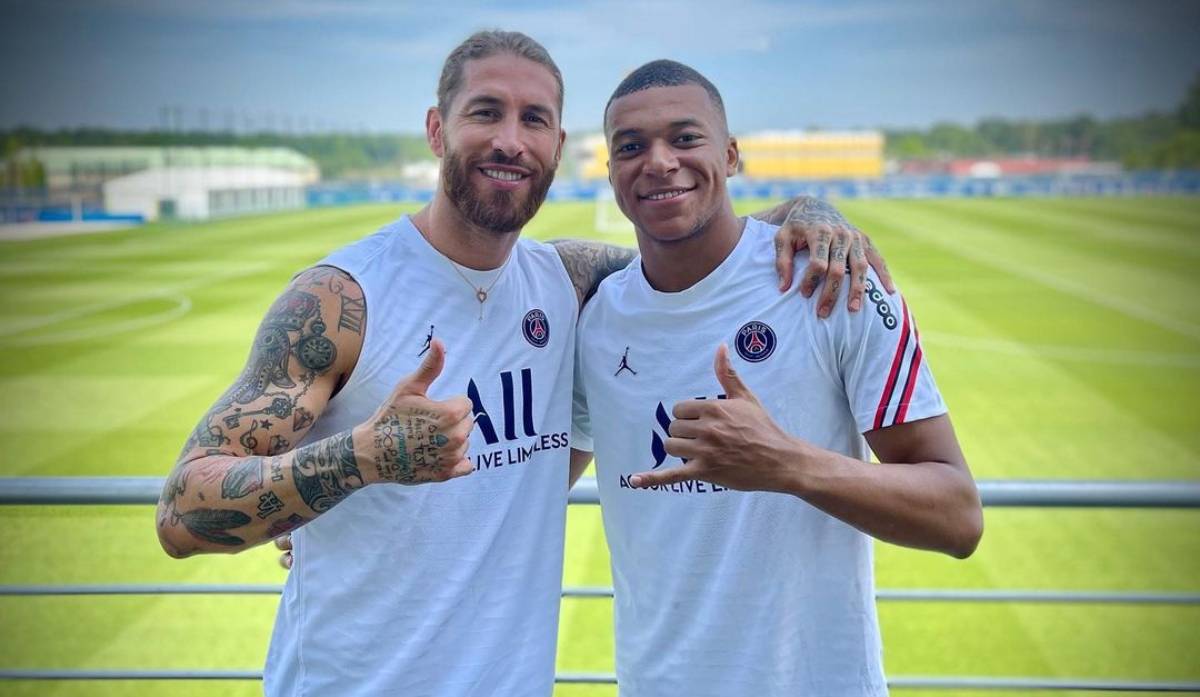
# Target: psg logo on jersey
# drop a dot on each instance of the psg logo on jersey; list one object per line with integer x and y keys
{"x": 536, "y": 328}
{"x": 755, "y": 341}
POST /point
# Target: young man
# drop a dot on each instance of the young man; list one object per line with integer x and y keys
{"x": 739, "y": 507}
{"x": 450, "y": 589}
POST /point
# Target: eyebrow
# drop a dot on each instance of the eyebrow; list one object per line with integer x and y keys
{"x": 674, "y": 126}
{"x": 490, "y": 100}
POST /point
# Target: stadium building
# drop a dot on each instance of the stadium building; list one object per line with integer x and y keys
{"x": 166, "y": 182}
{"x": 199, "y": 193}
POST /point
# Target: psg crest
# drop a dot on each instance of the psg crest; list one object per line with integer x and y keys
{"x": 536, "y": 328}
{"x": 755, "y": 341}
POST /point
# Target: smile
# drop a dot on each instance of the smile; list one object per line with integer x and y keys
{"x": 665, "y": 195}
{"x": 501, "y": 175}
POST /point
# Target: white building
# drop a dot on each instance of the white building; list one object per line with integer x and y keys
{"x": 199, "y": 193}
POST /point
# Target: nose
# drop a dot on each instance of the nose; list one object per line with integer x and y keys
{"x": 506, "y": 140}
{"x": 661, "y": 160}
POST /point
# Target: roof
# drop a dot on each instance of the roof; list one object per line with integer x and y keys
{"x": 172, "y": 180}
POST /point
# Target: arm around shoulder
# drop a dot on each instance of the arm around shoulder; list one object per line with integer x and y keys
{"x": 589, "y": 263}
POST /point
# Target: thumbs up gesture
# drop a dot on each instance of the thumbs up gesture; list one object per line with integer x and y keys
{"x": 412, "y": 439}
{"x": 732, "y": 442}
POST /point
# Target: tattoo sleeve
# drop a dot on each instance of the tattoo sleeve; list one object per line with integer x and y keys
{"x": 238, "y": 481}
{"x": 589, "y": 263}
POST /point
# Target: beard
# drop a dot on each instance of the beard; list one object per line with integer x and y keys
{"x": 495, "y": 211}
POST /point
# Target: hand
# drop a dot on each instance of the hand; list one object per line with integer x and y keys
{"x": 732, "y": 442}
{"x": 284, "y": 542}
{"x": 831, "y": 241}
{"x": 413, "y": 439}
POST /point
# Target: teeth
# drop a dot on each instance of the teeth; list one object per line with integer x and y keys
{"x": 666, "y": 195}
{"x": 502, "y": 175}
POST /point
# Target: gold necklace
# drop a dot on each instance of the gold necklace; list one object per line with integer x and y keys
{"x": 481, "y": 293}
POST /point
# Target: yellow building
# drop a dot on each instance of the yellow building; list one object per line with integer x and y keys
{"x": 812, "y": 155}
{"x": 779, "y": 155}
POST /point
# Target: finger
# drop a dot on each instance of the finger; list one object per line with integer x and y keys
{"x": 818, "y": 259}
{"x": 460, "y": 433}
{"x": 691, "y": 408}
{"x": 418, "y": 383}
{"x": 671, "y": 475}
{"x": 730, "y": 381}
{"x": 461, "y": 469}
{"x": 285, "y": 560}
{"x": 458, "y": 409}
{"x": 784, "y": 258}
{"x": 284, "y": 542}
{"x": 689, "y": 448}
{"x": 836, "y": 275}
{"x": 880, "y": 266}
{"x": 685, "y": 428}
{"x": 858, "y": 272}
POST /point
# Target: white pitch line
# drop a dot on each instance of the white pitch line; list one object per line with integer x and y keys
{"x": 11, "y": 329}
{"x": 183, "y": 305}
{"x": 1110, "y": 301}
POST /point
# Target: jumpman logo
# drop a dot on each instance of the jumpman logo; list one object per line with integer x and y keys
{"x": 428, "y": 341}
{"x": 624, "y": 364}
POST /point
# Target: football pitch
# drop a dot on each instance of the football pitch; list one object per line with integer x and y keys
{"x": 1064, "y": 334}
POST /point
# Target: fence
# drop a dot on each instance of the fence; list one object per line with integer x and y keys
{"x": 1016, "y": 493}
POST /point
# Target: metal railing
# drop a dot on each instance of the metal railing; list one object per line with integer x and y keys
{"x": 1018, "y": 493}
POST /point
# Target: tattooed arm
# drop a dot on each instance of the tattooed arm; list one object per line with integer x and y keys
{"x": 833, "y": 244}
{"x": 588, "y": 263}
{"x": 239, "y": 482}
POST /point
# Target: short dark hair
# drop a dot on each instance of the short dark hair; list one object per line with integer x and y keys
{"x": 666, "y": 73}
{"x": 484, "y": 44}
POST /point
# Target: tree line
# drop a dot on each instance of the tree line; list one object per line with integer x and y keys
{"x": 1152, "y": 141}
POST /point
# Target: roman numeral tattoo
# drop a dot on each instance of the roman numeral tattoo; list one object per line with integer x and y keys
{"x": 354, "y": 311}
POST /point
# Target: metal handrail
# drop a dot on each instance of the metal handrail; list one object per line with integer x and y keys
{"x": 1021, "y": 493}
{"x": 1036, "y": 493}
{"x": 900, "y": 682}
{"x": 886, "y": 594}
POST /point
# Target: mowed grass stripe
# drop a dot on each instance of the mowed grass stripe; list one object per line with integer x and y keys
{"x": 1034, "y": 416}
{"x": 1169, "y": 214}
{"x": 1168, "y": 306}
{"x": 1137, "y": 229}
{"x": 1092, "y": 240}
{"x": 1156, "y": 396}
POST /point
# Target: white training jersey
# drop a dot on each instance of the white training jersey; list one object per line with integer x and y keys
{"x": 444, "y": 589}
{"x": 722, "y": 592}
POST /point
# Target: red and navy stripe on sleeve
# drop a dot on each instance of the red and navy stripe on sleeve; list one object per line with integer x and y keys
{"x": 902, "y": 378}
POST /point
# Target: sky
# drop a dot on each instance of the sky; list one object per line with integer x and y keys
{"x": 372, "y": 66}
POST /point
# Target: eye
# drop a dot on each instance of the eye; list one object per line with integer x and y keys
{"x": 689, "y": 139}
{"x": 628, "y": 148}
{"x": 485, "y": 114}
{"x": 535, "y": 118}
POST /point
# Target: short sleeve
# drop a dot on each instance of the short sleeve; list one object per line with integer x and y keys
{"x": 581, "y": 422}
{"x": 884, "y": 369}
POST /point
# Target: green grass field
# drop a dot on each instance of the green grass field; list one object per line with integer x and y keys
{"x": 1065, "y": 335}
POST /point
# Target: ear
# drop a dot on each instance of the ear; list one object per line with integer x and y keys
{"x": 433, "y": 131}
{"x": 562, "y": 139}
{"x": 731, "y": 157}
